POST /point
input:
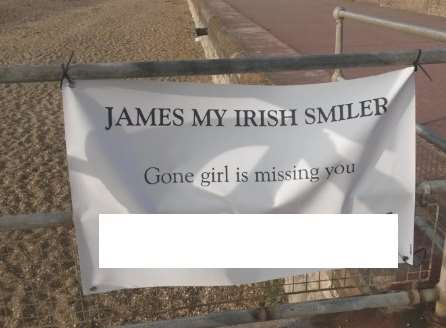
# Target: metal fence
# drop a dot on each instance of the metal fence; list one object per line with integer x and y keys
{"x": 39, "y": 271}
{"x": 42, "y": 284}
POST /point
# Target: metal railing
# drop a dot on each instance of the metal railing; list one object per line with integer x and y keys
{"x": 51, "y": 73}
{"x": 280, "y": 299}
{"x": 337, "y": 61}
{"x": 340, "y": 14}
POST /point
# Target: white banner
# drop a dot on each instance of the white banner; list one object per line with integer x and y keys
{"x": 140, "y": 146}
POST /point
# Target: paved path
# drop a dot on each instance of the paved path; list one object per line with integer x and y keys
{"x": 308, "y": 27}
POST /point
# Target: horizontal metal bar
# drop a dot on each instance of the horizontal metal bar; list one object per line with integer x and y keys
{"x": 432, "y": 137}
{"x": 42, "y": 220}
{"x": 290, "y": 311}
{"x": 398, "y": 26}
{"x": 43, "y": 73}
{"x": 34, "y": 221}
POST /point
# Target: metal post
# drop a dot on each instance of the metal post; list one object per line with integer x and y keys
{"x": 339, "y": 43}
{"x": 440, "y": 305}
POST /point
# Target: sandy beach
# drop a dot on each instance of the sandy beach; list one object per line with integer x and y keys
{"x": 32, "y": 162}
{"x": 39, "y": 278}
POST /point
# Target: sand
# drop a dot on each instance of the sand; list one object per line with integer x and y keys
{"x": 32, "y": 162}
{"x": 39, "y": 279}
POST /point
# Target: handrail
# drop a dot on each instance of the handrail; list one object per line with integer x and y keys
{"x": 48, "y": 73}
{"x": 340, "y": 13}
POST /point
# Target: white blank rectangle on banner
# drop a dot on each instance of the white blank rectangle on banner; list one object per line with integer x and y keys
{"x": 248, "y": 241}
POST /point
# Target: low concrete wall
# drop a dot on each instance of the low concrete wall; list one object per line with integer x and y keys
{"x": 232, "y": 35}
{"x": 430, "y": 7}
{"x": 221, "y": 42}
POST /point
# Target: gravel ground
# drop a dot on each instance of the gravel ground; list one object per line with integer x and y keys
{"x": 39, "y": 280}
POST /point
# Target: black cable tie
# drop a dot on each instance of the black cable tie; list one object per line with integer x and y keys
{"x": 65, "y": 75}
{"x": 423, "y": 258}
{"x": 417, "y": 64}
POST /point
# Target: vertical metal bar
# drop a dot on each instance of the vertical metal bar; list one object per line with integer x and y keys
{"x": 339, "y": 42}
{"x": 434, "y": 240}
{"x": 440, "y": 305}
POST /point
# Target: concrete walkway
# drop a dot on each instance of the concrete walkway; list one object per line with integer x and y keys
{"x": 307, "y": 26}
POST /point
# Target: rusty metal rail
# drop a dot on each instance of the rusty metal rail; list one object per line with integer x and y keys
{"x": 293, "y": 311}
